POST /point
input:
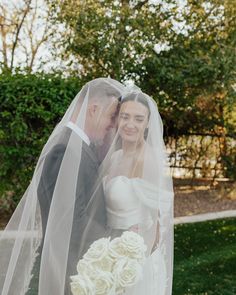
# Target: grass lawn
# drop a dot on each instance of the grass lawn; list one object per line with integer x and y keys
{"x": 205, "y": 258}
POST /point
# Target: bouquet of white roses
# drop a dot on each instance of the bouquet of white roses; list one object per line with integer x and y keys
{"x": 109, "y": 266}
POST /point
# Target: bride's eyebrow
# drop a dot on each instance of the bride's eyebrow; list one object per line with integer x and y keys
{"x": 136, "y": 116}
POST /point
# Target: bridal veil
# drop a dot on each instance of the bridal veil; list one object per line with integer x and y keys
{"x": 53, "y": 226}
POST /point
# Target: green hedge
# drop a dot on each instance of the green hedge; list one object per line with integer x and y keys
{"x": 31, "y": 105}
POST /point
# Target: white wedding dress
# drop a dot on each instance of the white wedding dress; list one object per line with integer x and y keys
{"x": 129, "y": 201}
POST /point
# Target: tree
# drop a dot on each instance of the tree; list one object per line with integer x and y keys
{"x": 180, "y": 52}
{"x": 114, "y": 37}
{"x": 24, "y": 29}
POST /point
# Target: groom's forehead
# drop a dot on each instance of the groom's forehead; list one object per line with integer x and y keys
{"x": 104, "y": 99}
{"x": 104, "y": 90}
{"x": 110, "y": 105}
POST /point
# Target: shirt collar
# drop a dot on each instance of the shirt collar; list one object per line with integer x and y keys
{"x": 79, "y": 132}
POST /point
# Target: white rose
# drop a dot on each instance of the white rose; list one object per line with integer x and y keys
{"x": 117, "y": 249}
{"x": 134, "y": 245}
{"x": 105, "y": 264}
{"x": 84, "y": 267}
{"x": 104, "y": 282}
{"x": 126, "y": 272}
{"x": 119, "y": 289}
{"x": 82, "y": 285}
{"x": 97, "y": 250}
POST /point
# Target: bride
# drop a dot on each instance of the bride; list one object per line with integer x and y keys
{"x": 138, "y": 190}
{"x": 131, "y": 188}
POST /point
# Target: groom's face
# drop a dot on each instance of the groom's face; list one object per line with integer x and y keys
{"x": 105, "y": 118}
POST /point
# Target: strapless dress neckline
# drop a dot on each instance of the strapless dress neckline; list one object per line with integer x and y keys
{"x": 129, "y": 201}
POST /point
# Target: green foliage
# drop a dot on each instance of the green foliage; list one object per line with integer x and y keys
{"x": 31, "y": 106}
{"x": 187, "y": 83}
{"x": 205, "y": 257}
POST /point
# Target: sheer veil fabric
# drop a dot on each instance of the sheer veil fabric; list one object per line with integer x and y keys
{"x": 104, "y": 170}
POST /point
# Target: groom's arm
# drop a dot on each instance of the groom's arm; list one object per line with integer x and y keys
{"x": 48, "y": 179}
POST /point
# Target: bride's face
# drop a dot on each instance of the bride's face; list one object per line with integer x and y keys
{"x": 132, "y": 121}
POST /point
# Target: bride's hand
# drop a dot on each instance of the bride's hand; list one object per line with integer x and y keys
{"x": 134, "y": 228}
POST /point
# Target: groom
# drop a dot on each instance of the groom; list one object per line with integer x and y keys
{"x": 100, "y": 119}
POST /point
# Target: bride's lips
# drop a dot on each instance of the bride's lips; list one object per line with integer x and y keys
{"x": 129, "y": 132}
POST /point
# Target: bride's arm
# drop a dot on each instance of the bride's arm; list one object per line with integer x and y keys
{"x": 157, "y": 235}
{"x": 156, "y": 242}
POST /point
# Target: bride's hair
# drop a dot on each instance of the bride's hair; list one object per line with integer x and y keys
{"x": 138, "y": 97}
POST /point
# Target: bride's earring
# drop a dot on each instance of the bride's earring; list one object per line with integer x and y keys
{"x": 146, "y": 132}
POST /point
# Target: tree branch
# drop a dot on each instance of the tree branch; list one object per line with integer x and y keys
{"x": 27, "y": 9}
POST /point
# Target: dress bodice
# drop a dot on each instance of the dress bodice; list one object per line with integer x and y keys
{"x": 130, "y": 201}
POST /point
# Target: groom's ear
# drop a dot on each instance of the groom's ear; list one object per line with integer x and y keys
{"x": 92, "y": 109}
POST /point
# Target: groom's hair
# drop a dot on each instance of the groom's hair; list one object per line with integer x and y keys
{"x": 100, "y": 91}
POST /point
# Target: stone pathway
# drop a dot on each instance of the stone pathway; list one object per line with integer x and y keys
{"x": 205, "y": 216}
{"x": 196, "y": 218}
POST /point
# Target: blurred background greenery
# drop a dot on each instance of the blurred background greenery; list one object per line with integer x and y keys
{"x": 182, "y": 53}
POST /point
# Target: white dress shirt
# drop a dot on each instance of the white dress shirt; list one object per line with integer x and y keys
{"x": 79, "y": 132}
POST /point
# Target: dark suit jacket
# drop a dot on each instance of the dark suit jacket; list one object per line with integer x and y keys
{"x": 85, "y": 183}
{"x": 86, "y": 178}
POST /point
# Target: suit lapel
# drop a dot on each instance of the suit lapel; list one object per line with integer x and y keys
{"x": 85, "y": 148}
{"x": 91, "y": 154}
